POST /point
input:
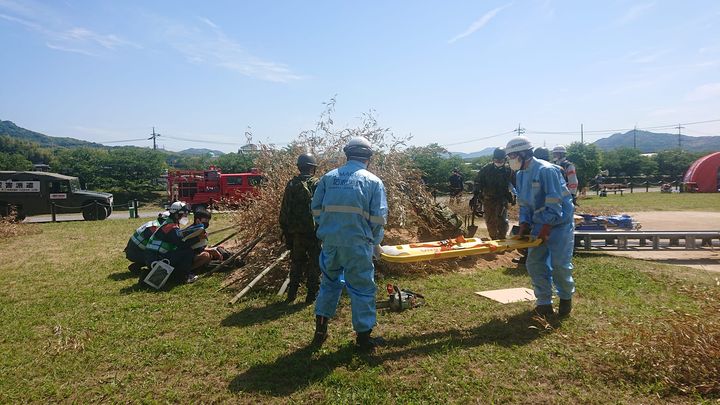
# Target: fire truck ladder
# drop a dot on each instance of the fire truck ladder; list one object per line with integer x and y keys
{"x": 655, "y": 240}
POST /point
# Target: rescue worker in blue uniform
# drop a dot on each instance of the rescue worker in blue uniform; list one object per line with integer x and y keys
{"x": 350, "y": 209}
{"x": 546, "y": 212}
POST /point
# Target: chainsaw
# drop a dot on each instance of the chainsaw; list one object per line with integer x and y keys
{"x": 400, "y": 300}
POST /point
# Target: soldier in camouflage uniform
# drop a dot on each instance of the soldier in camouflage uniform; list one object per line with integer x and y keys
{"x": 298, "y": 228}
{"x": 492, "y": 187}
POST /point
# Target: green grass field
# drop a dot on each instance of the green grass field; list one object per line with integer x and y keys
{"x": 73, "y": 328}
{"x": 655, "y": 201}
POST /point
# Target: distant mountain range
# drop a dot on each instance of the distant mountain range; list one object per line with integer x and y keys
{"x": 10, "y": 129}
{"x": 647, "y": 142}
{"x": 201, "y": 152}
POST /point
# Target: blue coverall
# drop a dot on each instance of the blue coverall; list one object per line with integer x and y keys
{"x": 545, "y": 199}
{"x": 350, "y": 209}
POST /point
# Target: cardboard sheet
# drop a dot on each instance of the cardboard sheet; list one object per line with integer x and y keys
{"x": 509, "y": 295}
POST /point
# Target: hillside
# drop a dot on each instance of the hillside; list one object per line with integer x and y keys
{"x": 649, "y": 142}
{"x": 201, "y": 152}
{"x": 472, "y": 155}
{"x": 10, "y": 129}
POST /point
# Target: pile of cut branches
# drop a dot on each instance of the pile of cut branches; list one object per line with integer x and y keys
{"x": 407, "y": 196}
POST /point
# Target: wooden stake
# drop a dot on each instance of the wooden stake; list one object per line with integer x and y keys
{"x": 244, "y": 251}
{"x": 260, "y": 276}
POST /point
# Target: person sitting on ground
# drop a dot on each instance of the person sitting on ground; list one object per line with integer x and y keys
{"x": 196, "y": 235}
{"x": 135, "y": 248}
{"x": 169, "y": 242}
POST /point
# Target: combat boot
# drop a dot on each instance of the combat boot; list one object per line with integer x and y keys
{"x": 366, "y": 344}
{"x": 321, "y": 333}
{"x": 565, "y": 307}
{"x": 311, "y": 296}
{"x": 291, "y": 293}
{"x": 543, "y": 311}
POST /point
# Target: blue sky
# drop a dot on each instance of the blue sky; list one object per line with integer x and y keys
{"x": 447, "y": 72}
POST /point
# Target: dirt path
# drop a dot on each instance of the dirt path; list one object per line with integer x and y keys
{"x": 705, "y": 259}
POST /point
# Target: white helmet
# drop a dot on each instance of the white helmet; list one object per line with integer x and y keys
{"x": 518, "y": 144}
{"x": 179, "y": 207}
{"x": 358, "y": 147}
{"x": 559, "y": 149}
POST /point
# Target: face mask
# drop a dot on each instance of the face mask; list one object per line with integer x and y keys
{"x": 184, "y": 221}
{"x": 206, "y": 225}
{"x": 499, "y": 164}
{"x": 515, "y": 164}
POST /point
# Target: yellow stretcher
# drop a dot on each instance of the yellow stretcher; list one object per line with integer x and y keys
{"x": 449, "y": 248}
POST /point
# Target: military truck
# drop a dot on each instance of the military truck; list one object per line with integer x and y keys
{"x": 35, "y": 193}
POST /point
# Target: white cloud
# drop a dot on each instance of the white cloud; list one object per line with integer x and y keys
{"x": 635, "y": 12}
{"x": 704, "y": 92}
{"x": 208, "y": 44}
{"x": 59, "y": 34}
{"x": 643, "y": 58}
{"x": 479, "y": 23}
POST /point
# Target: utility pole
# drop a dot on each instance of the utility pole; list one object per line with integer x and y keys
{"x": 520, "y": 130}
{"x": 635, "y": 137}
{"x": 582, "y": 134}
{"x": 154, "y": 139}
{"x": 679, "y": 127}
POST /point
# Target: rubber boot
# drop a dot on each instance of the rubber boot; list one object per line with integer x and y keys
{"x": 321, "y": 334}
{"x": 543, "y": 311}
{"x": 366, "y": 344}
{"x": 292, "y": 293}
{"x": 565, "y": 307}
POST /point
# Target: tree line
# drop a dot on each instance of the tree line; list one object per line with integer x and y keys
{"x": 437, "y": 163}
{"x": 127, "y": 172}
{"x": 133, "y": 172}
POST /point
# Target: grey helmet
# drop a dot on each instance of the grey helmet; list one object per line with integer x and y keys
{"x": 358, "y": 147}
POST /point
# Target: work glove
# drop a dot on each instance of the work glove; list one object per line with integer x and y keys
{"x": 544, "y": 233}
{"x": 377, "y": 251}
{"x": 523, "y": 231}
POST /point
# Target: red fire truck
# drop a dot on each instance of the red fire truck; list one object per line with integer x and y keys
{"x": 210, "y": 187}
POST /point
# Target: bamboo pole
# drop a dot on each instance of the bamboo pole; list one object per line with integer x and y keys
{"x": 260, "y": 276}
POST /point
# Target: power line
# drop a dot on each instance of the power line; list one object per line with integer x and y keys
{"x": 126, "y": 140}
{"x": 480, "y": 139}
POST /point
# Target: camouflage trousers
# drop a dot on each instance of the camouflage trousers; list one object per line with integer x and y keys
{"x": 304, "y": 265}
{"x": 496, "y": 217}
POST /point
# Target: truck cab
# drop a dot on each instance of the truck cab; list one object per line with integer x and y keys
{"x": 210, "y": 187}
{"x": 38, "y": 193}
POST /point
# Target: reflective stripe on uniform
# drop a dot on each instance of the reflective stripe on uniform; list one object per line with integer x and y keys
{"x": 377, "y": 220}
{"x": 346, "y": 209}
{"x": 552, "y": 200}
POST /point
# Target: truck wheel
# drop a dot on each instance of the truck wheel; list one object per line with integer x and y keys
{"x": 94, "y": 212}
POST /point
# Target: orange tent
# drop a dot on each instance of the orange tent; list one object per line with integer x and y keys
{"x": 703, "y": 175}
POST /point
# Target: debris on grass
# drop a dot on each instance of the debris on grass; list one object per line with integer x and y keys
{"x": 10, "y": 228}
